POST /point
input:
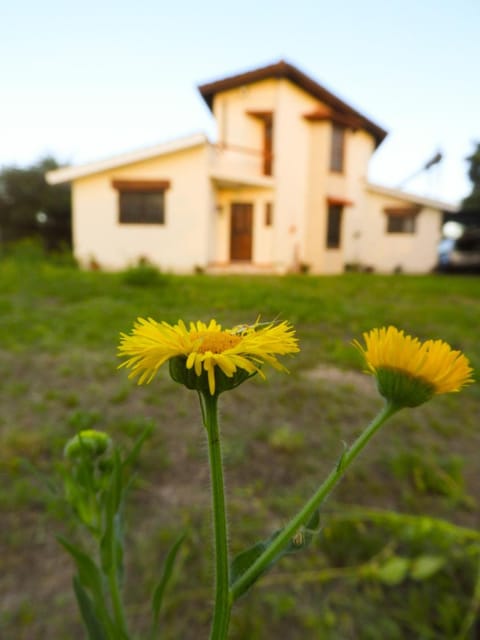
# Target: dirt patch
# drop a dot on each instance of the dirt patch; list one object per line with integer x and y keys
{"x": 334, "y": 375}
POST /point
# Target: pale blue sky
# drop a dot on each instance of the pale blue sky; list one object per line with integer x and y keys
{"x": 85, "y": 80}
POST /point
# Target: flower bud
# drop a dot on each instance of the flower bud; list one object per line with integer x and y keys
{"x": 89, "y": 442}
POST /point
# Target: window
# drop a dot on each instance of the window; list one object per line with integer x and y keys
{"x": 142, "y": 207}
{"x": 268, "y": 214}
{"x": 142, "y": 201}
{"x": 266, "y": 119}
{"x": 334, "y": 226}
{"x": 337, "y": 150}
{"x": 268, "y": 146}
{"x": 401, "y": 219}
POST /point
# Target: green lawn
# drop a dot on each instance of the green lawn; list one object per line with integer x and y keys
{"x": 59, "y": 331}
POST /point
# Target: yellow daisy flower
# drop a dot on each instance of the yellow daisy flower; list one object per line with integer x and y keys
{"x": 205, "y": 356}
{"x": 409, "y": 372}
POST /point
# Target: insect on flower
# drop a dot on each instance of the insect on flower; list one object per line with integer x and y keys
{"x": 241, "y": 329}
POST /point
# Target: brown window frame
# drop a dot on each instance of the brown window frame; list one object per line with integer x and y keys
{"x": 266, "y": 118}
{"x": 141, "y": 201}
{"x": 337, "y": 148}
{"x": 268, "y": 214}
{"x": 268, "y": 146}
{"x": 401, "y": 220}
{"x": 333, "y": 231}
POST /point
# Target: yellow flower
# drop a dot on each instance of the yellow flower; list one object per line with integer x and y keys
{"x": 409, "y": 372}
{"x": 205, "y": 356}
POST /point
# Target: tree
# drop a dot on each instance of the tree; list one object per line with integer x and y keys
{"x": 31, "y": 207}
{"x": 471, "y": 204}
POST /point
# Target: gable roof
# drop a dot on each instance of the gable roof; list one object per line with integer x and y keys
{"x": 285, "y": 70}
{"x": 67, "y": 174}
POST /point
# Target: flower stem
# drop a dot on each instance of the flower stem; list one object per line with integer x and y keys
{"x": 304, "y": 515}
{"x": 221, "y": 614}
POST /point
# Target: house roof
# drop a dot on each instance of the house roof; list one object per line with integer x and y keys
{"x": 413, "y": 198}
{"x": 67, "y": 174}
{"x": 285, "y": 70}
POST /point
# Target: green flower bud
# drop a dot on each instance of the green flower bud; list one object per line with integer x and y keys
{"x": 89, "y": 443}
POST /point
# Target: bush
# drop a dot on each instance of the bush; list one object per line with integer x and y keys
{"x": 143, "y": 275}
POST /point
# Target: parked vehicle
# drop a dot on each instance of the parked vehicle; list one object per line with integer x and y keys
{"x": 462, "y": 253}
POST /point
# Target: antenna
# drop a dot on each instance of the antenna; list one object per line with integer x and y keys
{"x": 434, "y": 160}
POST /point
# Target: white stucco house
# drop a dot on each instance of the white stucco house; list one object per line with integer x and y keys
{"x": 283, "y": 188}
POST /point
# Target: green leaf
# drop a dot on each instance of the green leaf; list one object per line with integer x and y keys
{"x": 90, "y": 577}
{"x": 393, "y": 571}
{"x": 341, "y": 460}
{"x": 111, "y": 544}
{"x": 89, "y": 574}
{"x": 159, "y": 591}
{"x": 424, "y": 567}
{"x": 245, "y": 559}
{"x": 132, "y": 457}
{"x": 92, "y": 623}
{"x": 116, "y": 486}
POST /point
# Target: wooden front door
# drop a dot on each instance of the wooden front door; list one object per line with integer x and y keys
{"x": 241, "y": 219}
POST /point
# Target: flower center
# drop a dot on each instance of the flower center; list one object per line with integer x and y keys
{"x": 217, "y": 341}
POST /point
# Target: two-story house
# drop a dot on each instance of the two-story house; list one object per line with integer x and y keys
{"x": 284, "y": 188}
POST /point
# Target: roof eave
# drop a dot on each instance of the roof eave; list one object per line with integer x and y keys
{"x": 412, "y": 197}
{"x": 69, "y": 174}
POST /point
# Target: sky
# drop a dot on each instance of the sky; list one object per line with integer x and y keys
{"x": 86, "y": 80}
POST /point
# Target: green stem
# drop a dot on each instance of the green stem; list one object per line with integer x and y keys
{"x": 304, "y": 515}
{"x": 221, "y": 613}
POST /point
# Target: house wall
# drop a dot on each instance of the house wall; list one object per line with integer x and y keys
{"x": 347, "y": 186}
{"x": 262, "y": 241}
{"x": 291, "y": 173}
{"x": 181, "y": 244}
{"x": 285, "y": 242}
{"x": 388, "y": 252}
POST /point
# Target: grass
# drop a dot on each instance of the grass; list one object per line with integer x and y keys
{"x": 60, "y": 328}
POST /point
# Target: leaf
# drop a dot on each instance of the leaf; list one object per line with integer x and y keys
{"x": 245, "y": 559}
{"x": 92, "y": 623}
{"x": 88, "y": 573}
{"x": 90, "y": 577}
{"x": 341, "y": 460}
{"x": 111, "y": 544}
{"x": 132, "y": 457}
{"x": 393, "y": 571}
{"x": 116, "y": 487}
{"x": 425, "y": 567}
{"x": 159, "y": 591}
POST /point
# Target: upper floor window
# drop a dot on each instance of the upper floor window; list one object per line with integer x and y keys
{"x": 268, "y": 146}
{"x": 401, "y": 219}
{"x": 334, "y": 226}
{"x": 337, "y": 150}
{"x": 141, "y": 201}
{"x": 266, "y": 119}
